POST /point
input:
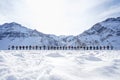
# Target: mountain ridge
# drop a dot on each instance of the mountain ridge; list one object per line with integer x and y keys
{"x": 101, "y": 34}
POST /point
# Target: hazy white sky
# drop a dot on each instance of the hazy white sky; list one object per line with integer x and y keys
{"x": 59, "y": 17}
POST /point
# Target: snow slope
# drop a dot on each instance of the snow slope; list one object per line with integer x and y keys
{"x": 105, "y": 33}
{"x": 59, "y": 65}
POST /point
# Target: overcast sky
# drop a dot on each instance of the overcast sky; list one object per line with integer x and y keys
{"x": 59, "y": 17}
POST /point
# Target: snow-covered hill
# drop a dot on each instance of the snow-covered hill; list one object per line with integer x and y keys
{"x": 15, "y": 34}
{"x": 106, "y": 33}
{"x": 103, "y": 33}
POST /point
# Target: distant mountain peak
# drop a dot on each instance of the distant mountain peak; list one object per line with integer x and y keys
{"x": 11, "y": 24}
{"x": 101, "y": 34}
{"x": 112, "y": 19}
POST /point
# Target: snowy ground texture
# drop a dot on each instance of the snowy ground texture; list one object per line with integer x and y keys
{"x": 59, "y": 65}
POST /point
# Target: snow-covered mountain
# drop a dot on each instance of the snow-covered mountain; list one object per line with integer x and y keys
{"x": 15, "y": 34}
{"x": 103, "y": 33}
{"x": 106, "y": 33}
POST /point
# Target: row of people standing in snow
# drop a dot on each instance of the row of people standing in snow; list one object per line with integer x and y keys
{"x": 60, "y": 47}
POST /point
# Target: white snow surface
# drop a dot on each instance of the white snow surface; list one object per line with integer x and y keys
{"x": 59, "y": 65}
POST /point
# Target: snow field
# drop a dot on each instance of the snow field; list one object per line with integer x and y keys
{"x": 59, "y": 65}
